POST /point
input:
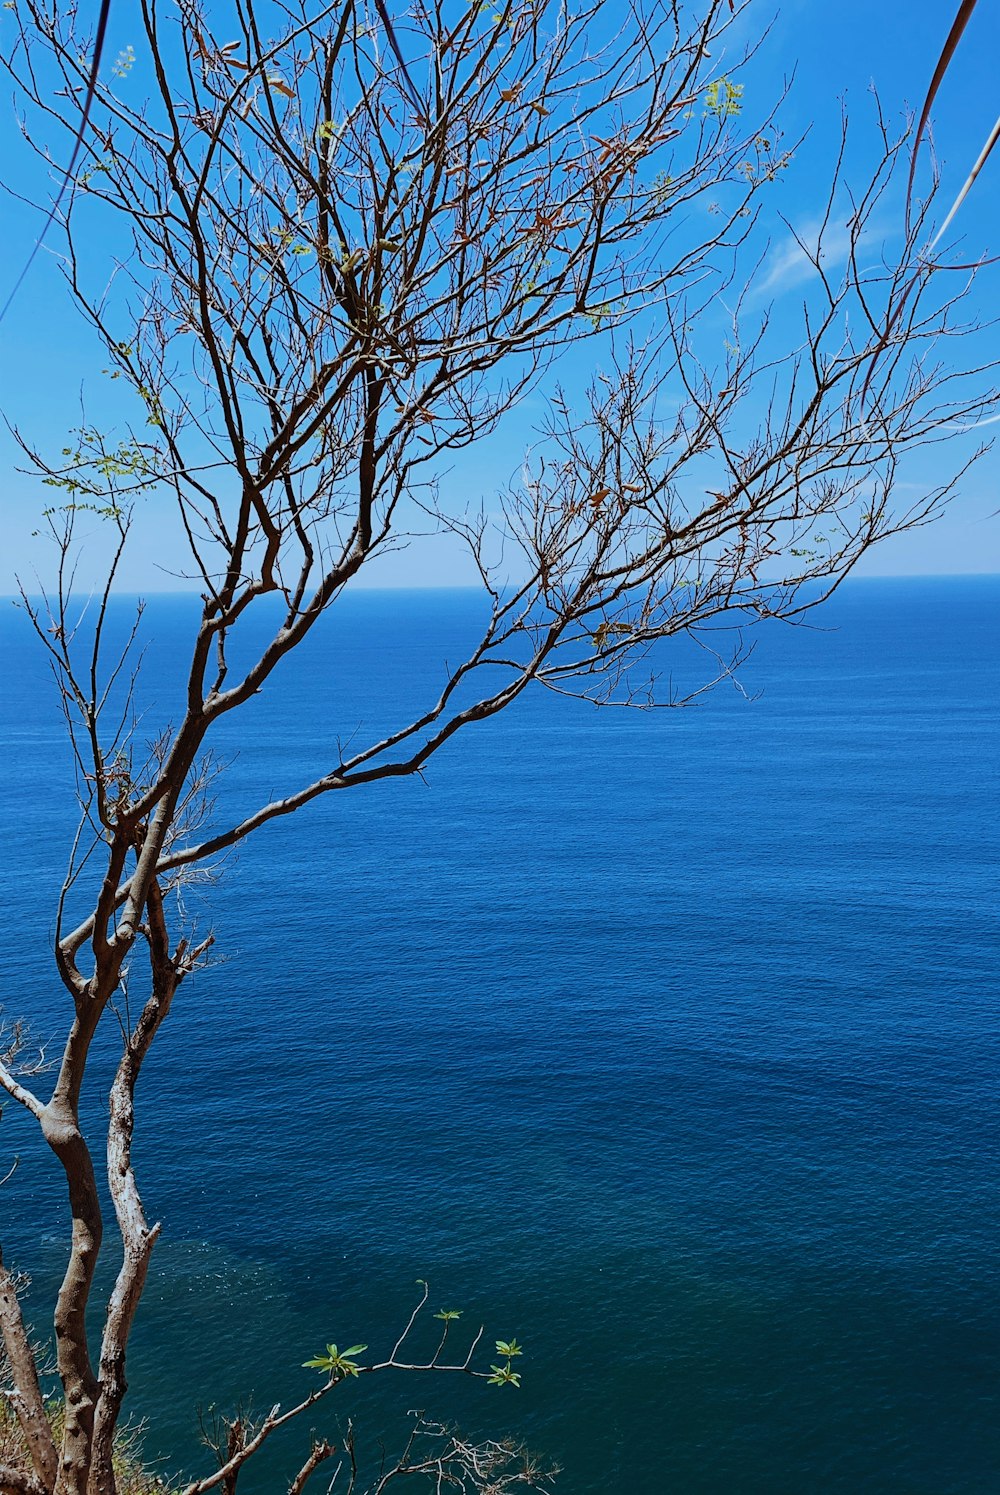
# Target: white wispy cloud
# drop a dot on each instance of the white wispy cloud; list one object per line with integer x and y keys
{"x": 789, "y": 264}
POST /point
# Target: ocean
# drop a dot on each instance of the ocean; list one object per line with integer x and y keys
{"x": 667, "y": 1042}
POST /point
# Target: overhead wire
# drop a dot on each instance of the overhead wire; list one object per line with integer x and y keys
{"x": 102, "y": 27}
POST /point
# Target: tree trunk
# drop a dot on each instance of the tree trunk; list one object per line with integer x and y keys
{"x": 27, "y": 1397}
{"x": 72, "y": 1351}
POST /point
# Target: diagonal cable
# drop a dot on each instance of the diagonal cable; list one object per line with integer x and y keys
{"x": 394, "y": 44}
{"x": 102, "y": 26}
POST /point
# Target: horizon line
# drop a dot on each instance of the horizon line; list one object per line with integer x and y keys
{"x": 479, "y": 590}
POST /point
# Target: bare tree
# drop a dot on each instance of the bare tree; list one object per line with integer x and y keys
{"x": 350, "y": 257}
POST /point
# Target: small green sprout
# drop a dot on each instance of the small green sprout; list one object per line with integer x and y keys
{"x": 723, "y": 99}
{"x": 338, "y": 1364}
{"x": 124, "y": 63}
{"x": 503, "y": 1375}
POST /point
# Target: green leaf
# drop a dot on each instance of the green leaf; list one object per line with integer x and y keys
{"x": 723, "y": 98}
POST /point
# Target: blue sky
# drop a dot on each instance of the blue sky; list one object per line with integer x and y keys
{"x": 832, "y": 54}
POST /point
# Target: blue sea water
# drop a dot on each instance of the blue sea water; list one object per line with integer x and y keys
{"x": 667, "y": 1042}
